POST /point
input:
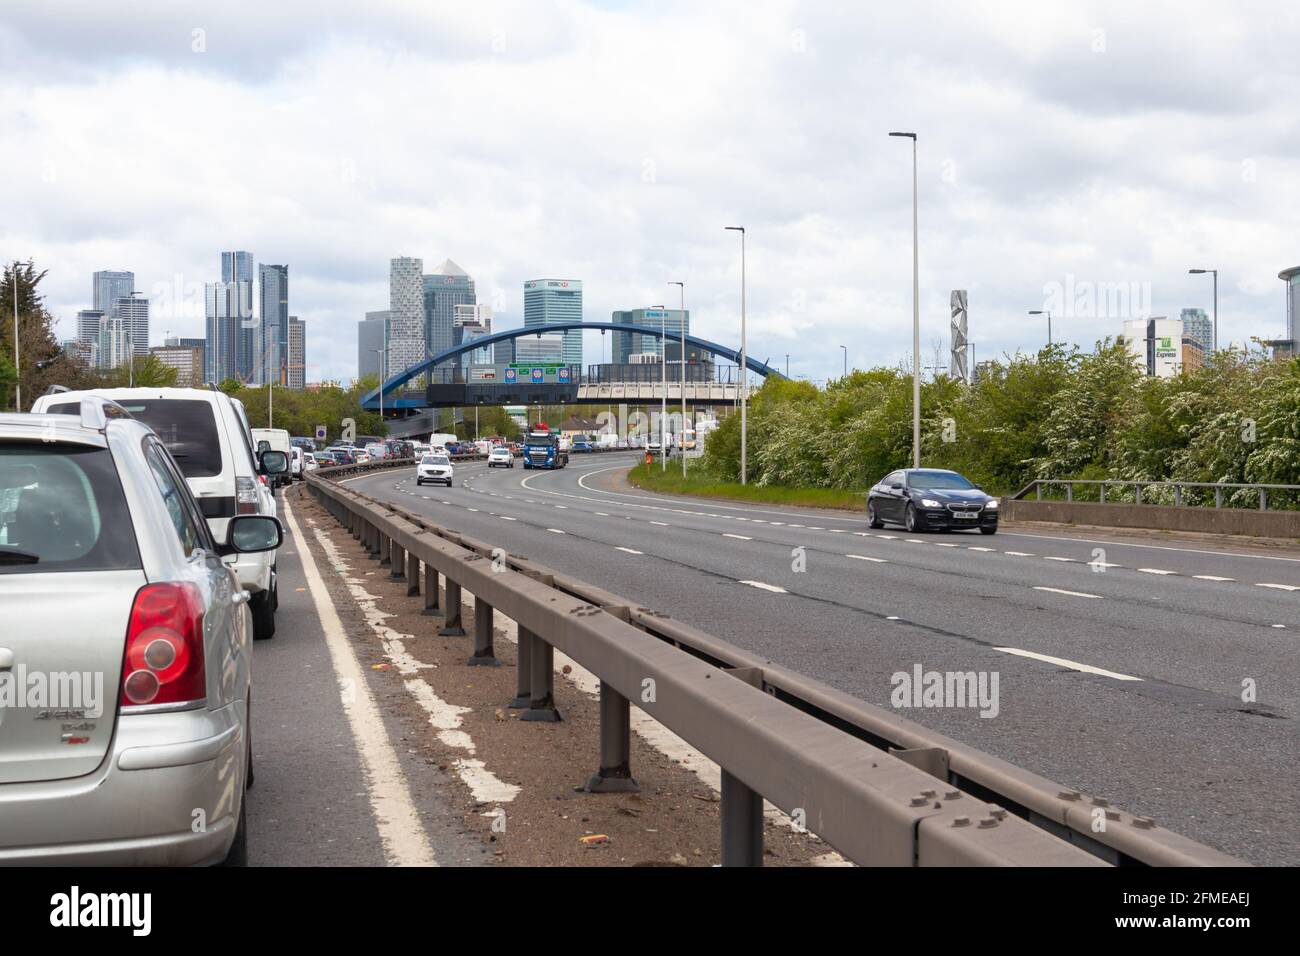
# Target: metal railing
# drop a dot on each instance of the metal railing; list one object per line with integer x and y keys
{"x": 880, "y": 789}
{"x": 1166, "y": 491}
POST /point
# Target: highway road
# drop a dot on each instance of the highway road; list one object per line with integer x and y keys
{"x": 1122, "y": 664}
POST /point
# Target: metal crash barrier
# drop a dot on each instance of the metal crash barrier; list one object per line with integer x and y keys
{"x": 881, "y": 790}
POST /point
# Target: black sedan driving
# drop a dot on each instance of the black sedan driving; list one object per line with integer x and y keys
{"x": 930, "y": 499}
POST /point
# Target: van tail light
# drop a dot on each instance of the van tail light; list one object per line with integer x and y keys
{"x": 164, "y": 647}
{"x": 245, "y": 496}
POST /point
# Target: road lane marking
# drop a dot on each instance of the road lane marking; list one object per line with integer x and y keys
{"x": 945, "y": 544}
{"x": 1070, "y": 593}
{"x": 1211, "y": 577}
{"x": 765, "y": 587}
{"x": 628, "y": 550}
{"x": 602, "y": 514}
{"x": 973, "y": 548}
{"x": 1019, "y": 554}
{"x": 1049, "y": 558}
{"x": 1280, "y": 587}
{"x": 1067, "y": 664}
{"x": 556, "y": 531}
{"x": 1155, "y": 571}
{"x": 741, "y": 537}
{"x": 662, "y": 524}
{"x": 506, "y": 518}
{"x": 396, "y": 817}
{"x": 863, "y": 557}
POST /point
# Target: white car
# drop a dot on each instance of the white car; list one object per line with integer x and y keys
{"x": 207, "y": 433}
{"x": 500, "y": 455}
{"x": 115, "y": 589}
{"x": 297, "y": 462}
{"x": 309, "y": 462}
{"x": 434, "y": 468}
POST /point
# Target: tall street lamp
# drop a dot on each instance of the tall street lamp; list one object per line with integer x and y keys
{"x": 18, "y": 381}
{"x": 1215, "y": 273}
{"x": 743, "y": 384}
{"x": 1046, "y": 312}
{"x": 382, "y": 353}
{"x": 681, "y": 288}
{"x": 846, "y": 360}
{"x": 916, "y": 318}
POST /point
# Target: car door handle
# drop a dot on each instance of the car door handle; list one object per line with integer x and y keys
{"x": 6, "y": 658}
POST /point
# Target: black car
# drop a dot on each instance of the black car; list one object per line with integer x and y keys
{"x": 930, "y": 499}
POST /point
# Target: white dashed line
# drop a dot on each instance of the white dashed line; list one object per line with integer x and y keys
{"x": 863, "y": 557}
{"x": 507, "y": 518}
{"x": 1067, "y": 664}
{"x": 765, "y": 587}
{"x": 741, "y": 537}
{"x": 628, "y": 550}
{"x": 662, "y": 524}
{"x": 556, "y": 531}
{"x": 1155, "y": 571}
{"x": 1054, "y": 559}
{"x": 1070, "y": 593}
{"x": 1019, "y": 554}
{"x": 945, "y": 544}
{"x": 1280, "y": 587}
{"x": 973, "y": 548}
{"x": 1211, "y": 577}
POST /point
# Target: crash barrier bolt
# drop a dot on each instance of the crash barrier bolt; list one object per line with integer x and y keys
{"x": 742, "y": 824}
{"x": 615, "y": 773}
{"x": 397, "y": 557}
{"x": 431, "y": 590}
{"x": 412, "y": 575}
{"x": 483, "y": 655}
{"x": 541, "y": 695}
{"x": 523, "y": 670}
{"x": 452, "y": 626}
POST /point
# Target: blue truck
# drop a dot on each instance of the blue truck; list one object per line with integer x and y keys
{"x": 542, "y": 450}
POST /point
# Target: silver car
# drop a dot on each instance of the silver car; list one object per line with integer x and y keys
{"x": 125, "y": 650}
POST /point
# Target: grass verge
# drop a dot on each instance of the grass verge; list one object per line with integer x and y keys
{"x": 653, "y": 478}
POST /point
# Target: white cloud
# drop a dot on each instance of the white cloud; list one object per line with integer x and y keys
{"x": 612, "y": 142}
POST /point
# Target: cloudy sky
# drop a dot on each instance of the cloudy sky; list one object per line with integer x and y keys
{"x": 1062, "y": 147}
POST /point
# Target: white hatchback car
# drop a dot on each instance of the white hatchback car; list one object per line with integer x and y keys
{"x": 125, "y": 656}
{"x": 207, "y": 433}
{"x": 434, "y": 468}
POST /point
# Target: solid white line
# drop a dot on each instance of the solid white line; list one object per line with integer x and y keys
{"x": 741, "y": 537}
{"x": 1280, "y": 587}
{"x": 1071, "y": 593}
{"x": 1067, "y": 664}
{"x": 396, "y": 818}
{"x": 628, "y": 550}
{"x": 863, "y": 557}
{"x": 765, "y": 587}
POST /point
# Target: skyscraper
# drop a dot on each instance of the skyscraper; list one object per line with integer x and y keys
{"x": 406, "y": 326}
{"x": 370, "y": 336}
{"x": 1197, "y": 325}
{"x": 632, "y": 343}
{"x": 548, "y": 301}
{"x": 134, "y": 313}
{"x": 110, "y": 286}
{"x": 231, "y": 327}
{"x": 444, "y": 289}
{"x": 296, "y": 359}
{"x": 272, "y": 343}
{"x": 88, "y": 322}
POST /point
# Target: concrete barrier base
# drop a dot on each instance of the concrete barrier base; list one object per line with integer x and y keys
{"x": 1241, "y": 521}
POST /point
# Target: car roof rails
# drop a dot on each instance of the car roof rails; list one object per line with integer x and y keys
{"x": 57, "y": 389}
{"x": 97, "y": 412}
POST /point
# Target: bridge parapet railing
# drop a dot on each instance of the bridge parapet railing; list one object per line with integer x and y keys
{"x": 1179, "y": 494}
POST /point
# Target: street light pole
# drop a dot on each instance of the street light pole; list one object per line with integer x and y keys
{"x": 663, "y": 411}
{"x": 846, "y": 360}
{"x": 1215, "y": 273}
{"x": 916, "y": 316}
{"x": 681, "y": 288}
{"x": 743, "y": 384}
{"x": 1047, "y": 313}
{"x": 18, "y": 381}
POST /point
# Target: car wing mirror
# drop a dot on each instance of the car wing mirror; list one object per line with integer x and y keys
{"x": 272, "y": 462}
{"x": 251, "y": 534}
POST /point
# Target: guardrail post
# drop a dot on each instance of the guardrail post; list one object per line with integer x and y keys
{"x": 372, "y": 540}
{"x": 541, "y": 695}
{"x": 1038, "y": 491}
{"x": 397, "y": 557}
{"x": 412, "y": 575}
{"x": 1263, "y": 499}
{"x": 1218, "y": 497}
{"x": 742, "y": 824}
{"x": 431, "y": 590}
{"x": 615, "y": 773}
{"x": 483, "y": 655}
{"x": 1137, "y": 500}
{"x": 1102, "y": 499}
{"x": 452, "y": 626}
{"x": 1069, "y": 491}
{"x": 523, "y": 669}
{"x": 385, "y": 550}
{"x": 1178, "y": 495}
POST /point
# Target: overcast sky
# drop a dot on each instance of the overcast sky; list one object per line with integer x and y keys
{"x": 1061, "y": 146}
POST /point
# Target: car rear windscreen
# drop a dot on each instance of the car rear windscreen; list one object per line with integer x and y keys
{"x": 186, "y": 426}
{"x": 62, "y": 509}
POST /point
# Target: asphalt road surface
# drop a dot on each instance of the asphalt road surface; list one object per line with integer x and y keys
{"x": 1161, "y": 675}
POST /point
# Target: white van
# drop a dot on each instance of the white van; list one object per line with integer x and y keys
{"x": 437, "y": 441}
{"x": 276, "y": 438}
{"x": 207, "y": 433}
